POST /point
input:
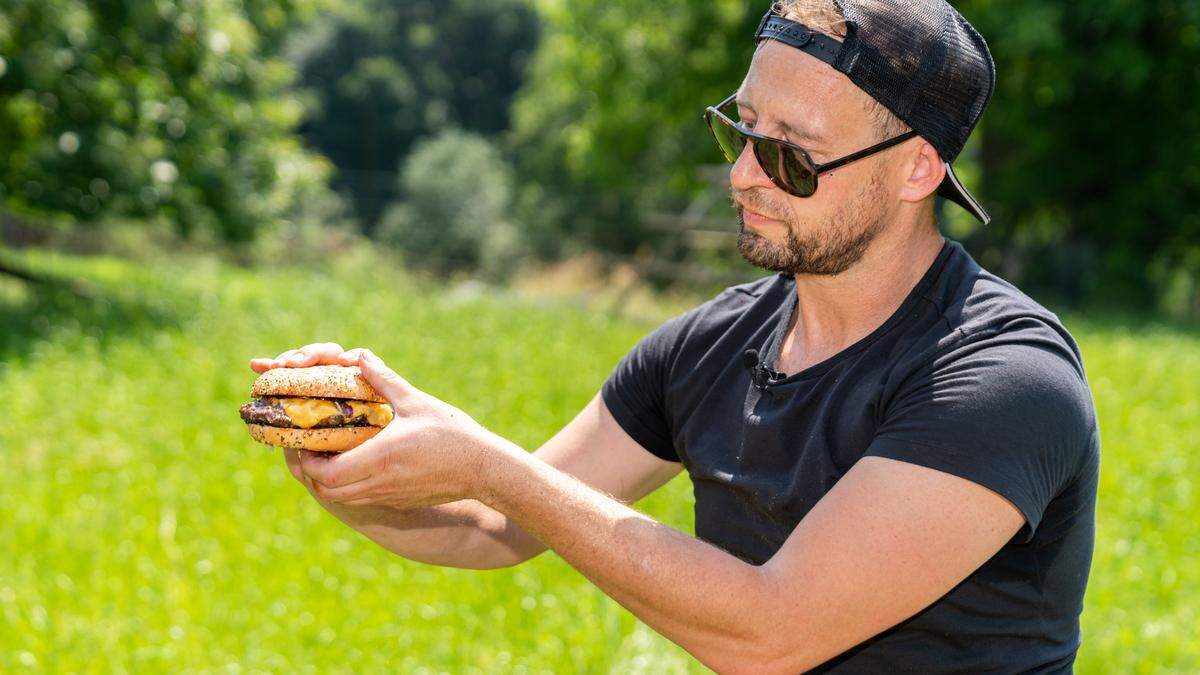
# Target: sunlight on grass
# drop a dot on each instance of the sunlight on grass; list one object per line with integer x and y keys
{"x": 145, "y": 531}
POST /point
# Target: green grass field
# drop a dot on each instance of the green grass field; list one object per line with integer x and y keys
{"x": 144, "y": 531}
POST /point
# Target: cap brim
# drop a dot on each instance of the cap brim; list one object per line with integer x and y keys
{"x": 952, "y": 189}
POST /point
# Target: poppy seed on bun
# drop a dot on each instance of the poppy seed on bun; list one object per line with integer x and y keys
{"x": 337, "y": 439}
{"x": 321, "y": 381}
{"x": 320, "y": 408}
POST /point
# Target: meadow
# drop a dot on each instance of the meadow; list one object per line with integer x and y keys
{"x": 143, "y": 530}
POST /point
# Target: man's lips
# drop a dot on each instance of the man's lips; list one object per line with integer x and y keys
{"x": 755, "y": 218}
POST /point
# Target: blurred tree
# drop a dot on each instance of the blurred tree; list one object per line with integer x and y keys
{"x": 1090, "y": 147}
{"x": 610, "y": 123}
{"x": 1087, "y": 151}
{"x": 381, "y": 74}
{"x": 456, "y": 208}
{"x": 172, "y": 110}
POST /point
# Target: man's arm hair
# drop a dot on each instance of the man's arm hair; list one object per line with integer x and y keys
{"x": 592, "y": 448}
{"x": 889, "y": 539}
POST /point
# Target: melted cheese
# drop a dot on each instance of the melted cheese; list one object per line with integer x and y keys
{"x": 307, "y": 413}
{"x": 377, "y": 414}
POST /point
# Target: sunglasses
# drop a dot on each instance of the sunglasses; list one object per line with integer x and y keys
{"x": 788, "y": 165}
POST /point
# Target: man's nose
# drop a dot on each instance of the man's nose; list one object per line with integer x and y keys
{"x": 747, "y": 173}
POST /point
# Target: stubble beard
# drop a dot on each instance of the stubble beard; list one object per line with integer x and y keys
{"x": 829, "y": 250}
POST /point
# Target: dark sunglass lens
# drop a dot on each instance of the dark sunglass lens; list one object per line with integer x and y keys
{"x": 728, "y": 139}
{"x": 768, "y": 155}
{"x": 786, "y": 168}
{"x": 799, "y": 174}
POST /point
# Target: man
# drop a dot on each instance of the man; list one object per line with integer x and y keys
{"x": 895, "y": 453}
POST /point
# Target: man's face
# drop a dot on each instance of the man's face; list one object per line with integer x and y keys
{"x": 790, "y": 95}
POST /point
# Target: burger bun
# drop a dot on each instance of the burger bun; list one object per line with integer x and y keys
{"x": 334, "y": 439}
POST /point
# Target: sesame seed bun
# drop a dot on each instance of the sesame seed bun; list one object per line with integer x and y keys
{"x": 336, "y": 439}
{"x": 316, "y": 381}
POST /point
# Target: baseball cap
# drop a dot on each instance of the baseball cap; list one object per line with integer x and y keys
{"x": 920, "y": 59}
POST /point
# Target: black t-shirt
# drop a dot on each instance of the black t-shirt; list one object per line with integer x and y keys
{"x": 969, "y": 376}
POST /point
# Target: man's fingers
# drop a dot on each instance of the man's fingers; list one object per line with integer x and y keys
{"x": 281, "y": 360}
{"x": 292, "y": 457}
{"x": 385, "y": 380}
{"x": 323, "y": 353}
{"x": 341, "y": 469}
{"x": 317, "y": 353}
{"x": 293, "y": 463}
{"x": 375, "y": 371}
{"x": 356, "y": 494}
{"x": 351, "y": 357}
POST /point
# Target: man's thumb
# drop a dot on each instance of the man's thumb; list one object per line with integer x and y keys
{"x": 386, "y": 381}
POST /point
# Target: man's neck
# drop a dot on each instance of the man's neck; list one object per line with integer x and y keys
{"x": 834, "y": 312}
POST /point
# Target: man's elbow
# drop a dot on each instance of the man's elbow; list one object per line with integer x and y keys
{"x": 788, "y": 663}
{"x": 496, "y": 549}
{"x": 765, "y": 655}
{"x": 496, "y": 543}
{"x": 500, "y": 560}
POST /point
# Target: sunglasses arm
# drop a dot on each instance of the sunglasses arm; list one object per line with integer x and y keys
{"x": 878, "y": 147}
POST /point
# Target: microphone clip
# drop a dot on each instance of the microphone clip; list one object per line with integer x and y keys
{"x": 760, "y": 375}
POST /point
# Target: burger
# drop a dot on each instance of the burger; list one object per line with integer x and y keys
{"x": 321, "y": 408}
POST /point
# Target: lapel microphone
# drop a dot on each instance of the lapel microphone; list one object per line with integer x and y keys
{"x": 760, "y": 375}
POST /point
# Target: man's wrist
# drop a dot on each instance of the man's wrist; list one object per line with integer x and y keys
{"x": 498, "y": 473}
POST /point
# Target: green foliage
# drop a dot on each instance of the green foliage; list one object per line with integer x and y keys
{"x": 145, "y": 529}
{"x": 380, "y": 74}
{"x": 1140, "y": 613}
{"x": 610, "y": 123}
{"x": 1090, "y": 145}
{"x": 1086, "y": 156}
{"x": 152, "y": 110}
{"x": 455, "y": 216}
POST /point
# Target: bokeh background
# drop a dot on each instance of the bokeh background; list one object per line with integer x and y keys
{"x": 500, "y": 197}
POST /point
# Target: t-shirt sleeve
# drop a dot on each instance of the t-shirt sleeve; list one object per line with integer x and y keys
{"x": 635, "y": 391}
{"x": 1012, "y": 414}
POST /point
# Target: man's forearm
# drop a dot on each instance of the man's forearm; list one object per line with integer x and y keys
{"x": 464, "y": 534}
{"x": 698, "y": 596}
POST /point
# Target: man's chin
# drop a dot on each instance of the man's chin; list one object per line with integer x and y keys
{"x": 752, "y": 233}
{"x": 760, "y": 251}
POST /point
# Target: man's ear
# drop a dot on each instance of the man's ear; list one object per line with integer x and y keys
{"x": 925, "y": 173}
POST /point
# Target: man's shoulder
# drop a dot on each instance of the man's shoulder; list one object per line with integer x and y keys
{"x": 984, "y": 336}
{"x": 975, "y": 304}
{"x": 1003, "y": 375}
{"x": 1003, "y": 350}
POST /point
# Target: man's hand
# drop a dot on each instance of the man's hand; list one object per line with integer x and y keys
{"x": 357, "y": 517}
{"x": 467, "y": 533}
{"x": 462, "y": 534}
{"x": 431, "y": 453}
{"x": 316, "y": 354}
